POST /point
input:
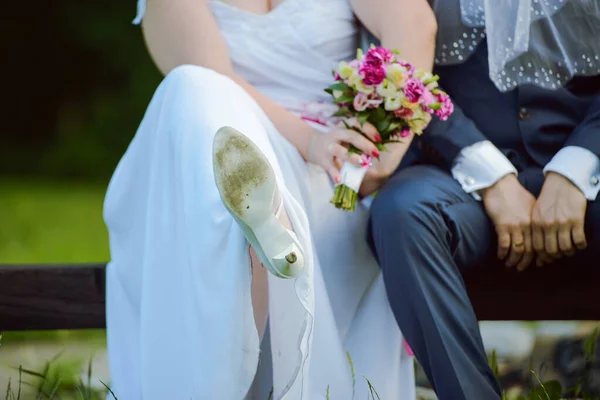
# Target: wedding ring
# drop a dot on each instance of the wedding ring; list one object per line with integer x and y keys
{"x": 518, "y": 244}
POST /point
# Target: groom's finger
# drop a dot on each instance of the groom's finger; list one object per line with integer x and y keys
{"x": 529, "y": 254}
{"x": 517, "y": 248}
{"x": 551, "y": 241}
{"x": 503, "y": 244}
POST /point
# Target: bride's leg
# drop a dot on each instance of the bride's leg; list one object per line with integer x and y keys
{"x": 181, "y": 260}
{"x": 260, "y": 294}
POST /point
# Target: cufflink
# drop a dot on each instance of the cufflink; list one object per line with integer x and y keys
{"x": 470, "y": 181}
{"x": 594, "y": 180}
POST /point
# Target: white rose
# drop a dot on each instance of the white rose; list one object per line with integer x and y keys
{"x": 393, "y": 103}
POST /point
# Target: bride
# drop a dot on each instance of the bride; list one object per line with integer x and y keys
{"x": 228, "y": 177}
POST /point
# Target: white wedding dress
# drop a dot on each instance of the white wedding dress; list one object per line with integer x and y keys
{"x": 179, "y": 314}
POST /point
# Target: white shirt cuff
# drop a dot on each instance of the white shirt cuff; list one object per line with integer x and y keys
{"x": 580, "y": 166}
{"x": 479, "y": 166}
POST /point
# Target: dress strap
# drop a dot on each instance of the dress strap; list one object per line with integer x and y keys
{"x": 141, "y": 9}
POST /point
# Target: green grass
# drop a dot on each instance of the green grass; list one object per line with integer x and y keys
{"x": 42, "y": 222}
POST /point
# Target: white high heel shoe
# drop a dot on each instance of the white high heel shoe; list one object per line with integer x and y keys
{"x": 248, "y": 188}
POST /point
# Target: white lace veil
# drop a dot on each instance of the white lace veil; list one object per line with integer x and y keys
{"x": 540, "y": 42}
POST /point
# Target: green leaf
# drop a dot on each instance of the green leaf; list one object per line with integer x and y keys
{"x": 330, "y": 91}
{"x": 345, "y": 98}
{"x": 434, "y": 78}
{"x": 354, "y": 150}
{"x": 353, "y": 373}
{"x": 341, "y": 86}
{"x": 392, "y": 127}
{"x": 377, "y": 115}
{"x": 32, "y": 373}
{"x": 493, "y": 362}
{"x": 385, "y": 123}
{"x": 538, "y": 393}
{"x": 373, "y": 395}
{"x": 553, "y": 390}
{"x": 435, "y": 106}
{"x": 363, "y": 117}
{"x": 113, "y": 395}
{"x": 589, "y": 347}
{"x": 546, "y": 391}
{"x": 342, "y": 112}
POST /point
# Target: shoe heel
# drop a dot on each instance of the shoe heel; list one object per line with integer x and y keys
{"x": 290, "y": 262}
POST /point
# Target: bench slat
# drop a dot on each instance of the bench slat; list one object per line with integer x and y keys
{"x": 41, "y": 297}
{"x": 551, "y": 293}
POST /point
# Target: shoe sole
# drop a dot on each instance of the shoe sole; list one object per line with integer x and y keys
{"x": 247, "y": 185}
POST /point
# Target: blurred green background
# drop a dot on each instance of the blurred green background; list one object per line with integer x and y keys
{"x": 77, "y": 79}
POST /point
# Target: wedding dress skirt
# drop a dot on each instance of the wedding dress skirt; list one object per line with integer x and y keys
{"x": 180, "y": 322}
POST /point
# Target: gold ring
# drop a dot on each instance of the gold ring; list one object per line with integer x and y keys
{"x": 518, "y": 244}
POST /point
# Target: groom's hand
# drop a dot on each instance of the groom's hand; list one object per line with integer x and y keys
{"x": 509, "y": 206}
{"x": 558, "y": 219}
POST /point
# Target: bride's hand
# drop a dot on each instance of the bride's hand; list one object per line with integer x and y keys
{"x": 329, "y": 150}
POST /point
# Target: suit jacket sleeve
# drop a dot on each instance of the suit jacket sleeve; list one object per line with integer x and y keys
{"x": 448, "y": 138}
{"x": 579, "y": 159}
{"x": 587, "y": 134}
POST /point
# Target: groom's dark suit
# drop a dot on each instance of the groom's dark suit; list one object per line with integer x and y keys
{"x": 425, "y": 228}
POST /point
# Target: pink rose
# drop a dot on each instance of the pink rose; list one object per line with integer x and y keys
{"x": 361, "y": 102}
{"x": 413, "y": 90}
{"x": 366, "y": 161}
{"x": 410, "y": 68}
{"x": 427, "y": 98}
{"x": 404, "y": 113}
{"x": 447, "y": 107}
{"x": 379, "y": 55}
{"x": 373, "y": 75}
{"x": 374, "y": 100}
{"x": 405, "y": 132}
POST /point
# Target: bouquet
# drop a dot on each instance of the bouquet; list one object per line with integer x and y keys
{"x": 391, "y": 94}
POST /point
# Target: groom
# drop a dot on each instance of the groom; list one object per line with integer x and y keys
{"x": 511, "y": 175}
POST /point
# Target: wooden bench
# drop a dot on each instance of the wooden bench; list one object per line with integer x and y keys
{"x": 42, "y": 297}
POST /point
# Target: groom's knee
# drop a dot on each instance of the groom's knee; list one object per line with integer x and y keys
{"x": 405, "y": 209}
